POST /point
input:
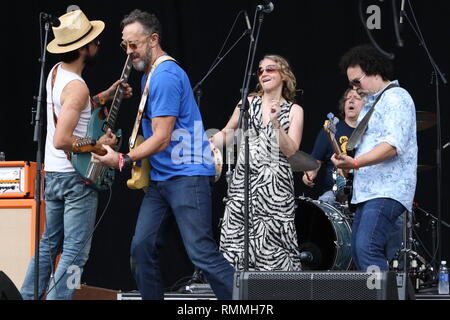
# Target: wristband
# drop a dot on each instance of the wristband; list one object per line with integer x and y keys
{"x": 124, "y": 161}
{"x": 356, "y": 164}
{"x": 101, "y": 99}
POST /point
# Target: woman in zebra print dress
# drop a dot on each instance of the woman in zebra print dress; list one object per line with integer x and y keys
{"x": 276, "y": 127}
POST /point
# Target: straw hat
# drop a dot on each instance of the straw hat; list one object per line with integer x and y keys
{"x": 74, "y": 32}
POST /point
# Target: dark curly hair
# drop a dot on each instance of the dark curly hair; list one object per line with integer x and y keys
{"x": 370, "y": 60}
{"x": 149, "y": 21}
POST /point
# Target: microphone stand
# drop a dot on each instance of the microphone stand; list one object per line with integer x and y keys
{"x": 38, "y": 123}
{"x": 197, "y": 88}
{"x": 244, "y": 123}
{"x": 438, "y": 77}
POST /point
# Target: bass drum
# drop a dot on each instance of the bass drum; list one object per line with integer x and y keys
{"x": 324, "y": 232}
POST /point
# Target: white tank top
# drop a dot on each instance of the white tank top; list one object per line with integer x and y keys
{"x": 56, "y": 160}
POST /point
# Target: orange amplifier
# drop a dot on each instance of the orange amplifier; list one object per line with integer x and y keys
{"x": 17, "y": 179}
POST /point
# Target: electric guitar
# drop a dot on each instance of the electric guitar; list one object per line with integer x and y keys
{"x": 344, "y": 184}
{"x": 95, "y": 174}
{"x": 140, "y": 173}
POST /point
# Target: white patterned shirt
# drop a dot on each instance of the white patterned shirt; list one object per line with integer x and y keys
{"x": 393, "y": 122}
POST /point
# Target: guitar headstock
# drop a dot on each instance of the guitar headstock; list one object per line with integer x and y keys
{"x": 330, "y": 129}
{"x": 330, "y": 124}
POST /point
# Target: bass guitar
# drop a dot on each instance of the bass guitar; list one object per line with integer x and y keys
{"x": 343, "y": 187}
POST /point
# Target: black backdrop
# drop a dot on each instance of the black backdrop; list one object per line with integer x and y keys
{"x": 313, "y": 35}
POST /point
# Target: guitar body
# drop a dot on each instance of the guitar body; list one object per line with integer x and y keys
{"x": 98, "y": 176}
{"x": 140, "y": 173}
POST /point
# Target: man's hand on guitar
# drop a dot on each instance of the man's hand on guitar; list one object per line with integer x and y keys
{"x": 109, "y": 139}
{"x": 109, "y": 93}
{"x": 110, "y": 160}
{"x": 344, "y": 162}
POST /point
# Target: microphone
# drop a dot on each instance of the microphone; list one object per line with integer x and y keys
{"x": 247, "y": 20}
{"x": 249, "y": 26}
{"x": 402, "y": 11}
{"x": 306, "y": 256}
{"x": 267, "y": 7}
{"x": 54, "y": 21}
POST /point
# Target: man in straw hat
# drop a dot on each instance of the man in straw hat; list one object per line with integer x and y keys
{"x": 180, "y": 188}
{"x": 71, "y": 205}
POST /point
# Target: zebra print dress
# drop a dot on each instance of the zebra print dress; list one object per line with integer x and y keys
{"x": 272, "y": 234}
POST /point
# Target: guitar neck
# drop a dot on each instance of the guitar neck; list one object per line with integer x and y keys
{"x": 118, "y": 96}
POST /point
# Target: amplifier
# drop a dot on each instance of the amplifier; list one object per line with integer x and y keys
{"x": 17, "y": 179}
{"x": 17, "y": 236}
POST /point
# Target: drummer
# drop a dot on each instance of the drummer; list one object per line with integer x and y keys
{"x": 350, "y": 105}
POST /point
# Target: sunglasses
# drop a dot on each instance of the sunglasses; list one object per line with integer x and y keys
{"x": 268, "y": 69}
{"x": 133, "y": 45}
{"x": 356, "y": 82}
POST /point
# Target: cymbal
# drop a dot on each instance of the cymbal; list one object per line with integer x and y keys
{"x": 302, "y": 161}
{"x": 425, "y": 120}
{"x": 423, "y": 167}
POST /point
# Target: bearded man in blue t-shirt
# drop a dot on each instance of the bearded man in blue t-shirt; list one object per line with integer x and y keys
{"x": 182, "y": 166}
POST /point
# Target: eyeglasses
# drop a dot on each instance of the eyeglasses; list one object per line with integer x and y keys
{"x": 356, "y": 82}
{"x": 133, "y": 45}
{"x": 269, "y": 69}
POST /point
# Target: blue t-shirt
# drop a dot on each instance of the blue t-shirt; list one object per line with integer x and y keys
{"x": 323, "y": 150}
{"x": 189, "y": 153}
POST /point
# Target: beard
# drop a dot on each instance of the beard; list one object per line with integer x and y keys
{"x": 91, "y": 60}
{"x": 143, "y": 64}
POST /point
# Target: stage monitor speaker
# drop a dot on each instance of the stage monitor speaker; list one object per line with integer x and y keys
{"x": 17, "y": 236}
{"x": 8, "y": 290}
{"x": 315, "y": 286}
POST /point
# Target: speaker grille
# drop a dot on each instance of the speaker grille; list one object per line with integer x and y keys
{"x": 311, "y": 286}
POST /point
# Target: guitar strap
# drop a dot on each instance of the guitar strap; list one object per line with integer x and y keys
{"x": 363, "y": 125}
{"x": 55, "y": 118}
{"x": 144, "y": 98}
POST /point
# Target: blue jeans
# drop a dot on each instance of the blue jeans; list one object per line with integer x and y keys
{"x": 70, "y": 210}
{"x": 372, "y": 227}
{"x": 188, "y": 199}
{"x": 395, "y": 240}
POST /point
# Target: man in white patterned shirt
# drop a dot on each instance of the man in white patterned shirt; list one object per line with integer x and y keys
{"x": 385, "y": 163}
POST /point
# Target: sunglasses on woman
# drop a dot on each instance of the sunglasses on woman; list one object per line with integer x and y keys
{"x": 269, "y": 69}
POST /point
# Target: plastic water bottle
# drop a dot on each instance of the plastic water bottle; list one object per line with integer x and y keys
{"x": 443, "y": 278}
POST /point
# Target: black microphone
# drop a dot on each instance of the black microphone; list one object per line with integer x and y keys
{"x": 306, "y": 256}
{"x": 267, "y": 7}
{"x": 54, "y": 21}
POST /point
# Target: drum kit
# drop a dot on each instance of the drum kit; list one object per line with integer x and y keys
{"x": 324, "y": 230}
